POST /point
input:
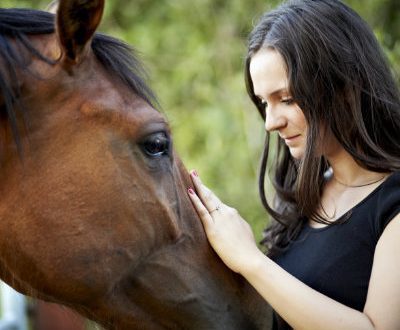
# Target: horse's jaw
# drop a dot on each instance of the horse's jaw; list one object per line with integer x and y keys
{"x": 184, "y": 295}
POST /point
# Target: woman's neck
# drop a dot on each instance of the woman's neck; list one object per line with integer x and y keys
{"x": 347, "y": 172}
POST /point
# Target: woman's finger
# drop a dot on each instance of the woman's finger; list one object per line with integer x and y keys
{"x": 209, "y": 199}
{"x": 200, "y": 209}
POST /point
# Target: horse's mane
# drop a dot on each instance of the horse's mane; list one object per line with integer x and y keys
{"x": 117, "y": 58}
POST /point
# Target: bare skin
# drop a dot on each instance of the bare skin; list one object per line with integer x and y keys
{"x": 232, "y": 238}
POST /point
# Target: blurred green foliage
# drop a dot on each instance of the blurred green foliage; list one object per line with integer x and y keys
{"x": 194, "y": 52}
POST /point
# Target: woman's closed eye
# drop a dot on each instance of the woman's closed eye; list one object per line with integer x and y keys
{"x": 287, "y": 100}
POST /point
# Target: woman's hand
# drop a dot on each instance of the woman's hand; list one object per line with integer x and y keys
{"x": 230, "y": 236}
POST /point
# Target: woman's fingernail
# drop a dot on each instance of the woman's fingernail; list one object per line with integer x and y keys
{"x": 194, "y": 172}
{"x": 191, "y": 191}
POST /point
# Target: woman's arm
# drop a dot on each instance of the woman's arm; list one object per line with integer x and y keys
{"x": 301, "y": 306}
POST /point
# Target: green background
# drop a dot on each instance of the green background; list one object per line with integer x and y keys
{"x": 194, "y": 53}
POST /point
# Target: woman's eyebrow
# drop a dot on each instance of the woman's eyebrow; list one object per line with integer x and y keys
{"x": 279, "y": 91}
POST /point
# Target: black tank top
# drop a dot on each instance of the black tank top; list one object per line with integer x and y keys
{"x": 337, "y": 260}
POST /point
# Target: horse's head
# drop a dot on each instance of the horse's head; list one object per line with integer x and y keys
{"x": 94, "y": 212}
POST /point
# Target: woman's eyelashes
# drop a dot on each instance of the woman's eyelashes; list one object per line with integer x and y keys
{"x": 287, "y": 100}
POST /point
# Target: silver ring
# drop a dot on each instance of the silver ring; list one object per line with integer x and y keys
{"x": 217, "y": 208}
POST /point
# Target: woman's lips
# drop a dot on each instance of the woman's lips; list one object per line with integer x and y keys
{"x": 291, "y": 139}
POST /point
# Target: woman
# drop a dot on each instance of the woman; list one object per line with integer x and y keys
{"x": 317, "y": 76}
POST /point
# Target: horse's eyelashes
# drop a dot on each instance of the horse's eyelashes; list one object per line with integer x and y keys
{"x": 156, "y": 145}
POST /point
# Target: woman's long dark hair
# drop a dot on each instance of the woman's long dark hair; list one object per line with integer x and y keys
{"x": 339, "y": 77}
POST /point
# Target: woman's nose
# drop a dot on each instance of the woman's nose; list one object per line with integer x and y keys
{"x": 274, "y": 120}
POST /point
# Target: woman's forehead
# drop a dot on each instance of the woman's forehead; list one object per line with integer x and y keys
{"x": 268, "y": 73}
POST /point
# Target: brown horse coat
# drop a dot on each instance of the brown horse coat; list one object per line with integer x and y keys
{"x": 94, "y": 212}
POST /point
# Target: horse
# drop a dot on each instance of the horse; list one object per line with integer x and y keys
{"x": 94, "y": 212}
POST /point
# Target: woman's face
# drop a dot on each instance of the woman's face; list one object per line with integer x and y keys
{"x": 270, "y": 83}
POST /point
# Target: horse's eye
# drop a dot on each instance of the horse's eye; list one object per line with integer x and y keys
{"x": 156, "y": 145}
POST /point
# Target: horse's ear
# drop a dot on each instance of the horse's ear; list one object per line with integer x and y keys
{"x": 77, "y": 20}
{"x": 52, "y": 7}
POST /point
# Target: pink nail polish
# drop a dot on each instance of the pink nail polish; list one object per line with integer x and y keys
{"x": 191, "y": 191}
{"x": 194, "y": 172}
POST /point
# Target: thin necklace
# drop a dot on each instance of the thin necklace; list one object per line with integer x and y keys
{"x": 360, "y": 185}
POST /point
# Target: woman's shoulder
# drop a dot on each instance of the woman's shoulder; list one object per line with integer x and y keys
{"x": 390, "y": 188}
{"x": 394, "y": 177}
{"x": 387, "y": 204}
